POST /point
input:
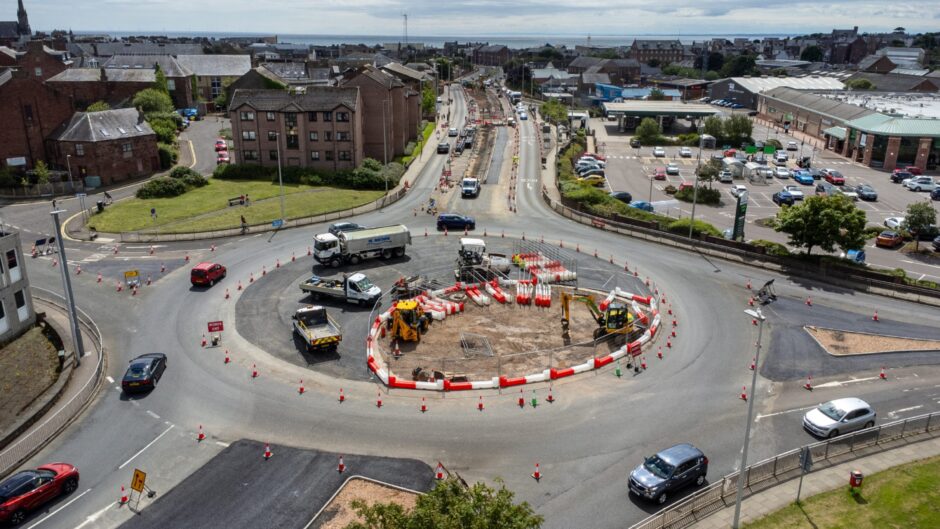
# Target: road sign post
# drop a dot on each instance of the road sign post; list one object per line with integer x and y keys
{"x": 140, "y": 479}
{"x": 132, "y": 278}
{"x": 806, "y": 464}
{"x": 277, "y": 223}
{"x": 215, "y": 332}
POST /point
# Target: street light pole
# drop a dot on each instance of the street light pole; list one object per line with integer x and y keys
{"x": 67, "y": 286}
{"x": 756, "y": 314}
{"x": 280, "y": 178}
{"x": 698, "y": 167}
{"x": 68, "y": 164}
{"x": 650, "y": 200}
{"x": 385, "y": 142}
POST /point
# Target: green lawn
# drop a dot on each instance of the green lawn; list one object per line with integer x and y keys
{"x": 207, "y": 208}
{"x": 907, "y": 496}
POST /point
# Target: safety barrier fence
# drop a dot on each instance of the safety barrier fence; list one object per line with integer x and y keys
{"x": 785, "y": 466}
{"x": 33, "y": 441}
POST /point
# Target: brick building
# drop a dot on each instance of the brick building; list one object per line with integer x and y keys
{"x": 178, "y": 77}
{"x": 385, "y": 114}
{"x": 116, "y": 87}
{"x": 665, "y": 51}
{"x": 491, "y": 55}
{"x": 317, "y": 127}
{"x": 12, "y": 32}
{"x": 30, "y": 110}
{"x": 115, "y": 145}
{"x": 213, "y": 73}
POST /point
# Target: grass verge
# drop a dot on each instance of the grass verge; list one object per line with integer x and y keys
{"x": 28, "y": 366}
{"x": 904, "y": 496}
{"x": 425, "y": 134}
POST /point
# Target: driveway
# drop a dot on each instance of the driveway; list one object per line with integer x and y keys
{"x": 201, "y": 135}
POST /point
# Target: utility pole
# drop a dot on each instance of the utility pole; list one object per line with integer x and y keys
{"x": 68, "y": 163}
{"x": 67, "y": 286}
{"x": 698, "y": 167}
{"x": 757, "y": 315}
{"x": 280, "y": 178}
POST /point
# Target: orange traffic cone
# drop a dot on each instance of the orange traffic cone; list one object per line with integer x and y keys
{"x": 809, "y": 302}
{"x": 301, "y": 389}
{"x": 809, "y": 383}
{"x": 874, "y": 316}
{"x": 550, "y": 398}
{"x": 201, "y": 436}
{"x": 424, "y": 406}
{"x": 254, "y": 371}
{"x": 439, "y": 473}
{"x": 203, "y": 342}
{"x": 227, "y": 359}
{"x": 226, "y": 294}
{"x": 744, "y": 393}
{"x": 882, "y": 375}
{"x": 342, "y": 397}
{"x": 521, "y": 399}
{"x": 659, "y": 354}
{"x": 341, "y": 467}
{"x": 267, "y": 451}
{"x": 378, "y": 400}
{"x": 309, "y": 252}
{"x": 538, "y": 472}
{"x": 239, "y": 285}
{"x": 123, "y": 499}
{"x": 480, "y": 404}
{"x": 753, "y": 364}
{"x": 99, "y": 277}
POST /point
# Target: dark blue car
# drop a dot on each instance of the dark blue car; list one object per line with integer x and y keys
{"x": 453, "y": 221}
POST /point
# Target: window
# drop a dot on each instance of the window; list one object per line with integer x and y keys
{"x": 272, "y": 155}
{"x": 127, "y": 148}
{"x": 327, "y": 116}
{"x": 291, "y": 119}
{"x": 315, "y": 156}
{"x": 247, "y": 116}
{"x": 28, "y": 112}
{"x": 79, "y": 149}
{"x": 311, "y": 116}
{"x": 215, "y": 86}
{"x": 38, "y": 72}
{"x": 171, "y": 84}
{"x": 248, "y": 135}
{"x": 345, "y": 156}
{"x": 342, "y": 116}
{"x": 342, "y": 136}
{"x": 270, "y": 116}
{"x": 272, "y": 135}
{"x": 328, "y": 136}
{"x": 20, "y": 299}
{"x": 313, "y": 136}
{"x": 329, "y": 156}
{"x": 251, "y": 155}
{"x": 11, "y": 260}
{"x": 293, "y": 141}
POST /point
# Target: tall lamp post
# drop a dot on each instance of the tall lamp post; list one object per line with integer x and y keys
{"x": 67, "y": 287}
{"x": 68, "y": 163}
{"x": 698, "y": 167}
{"x": 280, "y": 178}
{"x": 757, "y": 315}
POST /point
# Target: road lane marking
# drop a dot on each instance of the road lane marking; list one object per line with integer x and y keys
{"x": 146, "y": 447}
{"x": 94, "y": 516}
{"x": 761, "y": 416}
{"x": 152, "y": 414}
{"x": 840, "y": 383}
{"x": 223, "y": 445}
{"x": 916, "y": 263}
{"x": 895, "y": 413}
{"x": 53, "y": 513}
{"x": 110, "y": 380}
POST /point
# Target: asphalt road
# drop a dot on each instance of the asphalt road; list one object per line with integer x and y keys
{"x": 587, "y": 442}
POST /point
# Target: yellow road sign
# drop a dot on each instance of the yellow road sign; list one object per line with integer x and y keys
{"x": 139, "y": 478}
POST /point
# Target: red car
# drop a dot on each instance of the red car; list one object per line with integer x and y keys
{"x": 29, "y": 490}
{"x": 595, "y": 156}
{"x": 206, "y": 274}
{"x": 660, "y": 173}
{"x": 914, "y": 170}
{"x": 222, "y": 157}
{"x": 833, "y": 177}
{"x": 221, "y": 145}
{"x": 889, "y": 239}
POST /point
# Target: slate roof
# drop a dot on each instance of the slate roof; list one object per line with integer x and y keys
{"x": 107, "y": 49}
{"x": 594, "y": 78}
{"x": 823, "y": 105}
{"x": 314, "y": 98}
{"x": 492, "y": 48}
{"x": 287, "y": 70}
{"x": 585, "y": 62}
{"x": 657, "y": 44}
{"x": 401, "y": 70}
{"x": 891, "y": 82}
{"x": 216, "y": 65}
{"x": 108, "y": 125}
{"x": 387, "y": 80}
{"x": 168, "y": 64}
{"x": 870, "y": 60}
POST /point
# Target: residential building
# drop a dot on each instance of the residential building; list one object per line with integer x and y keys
{"x": 912, "y": 58}
{"x": 491, "y": 55}
{"x": 16, "y": 303}
{"x": 415, "y": 81}
{"x": 17, "y": 31}
{"x": 317, "y": 127}
{"x": 112, "y": 145}
{"x": 385, "y": 115}
{"x": 664, "y": 51}
{"x": 213, "y": 73}
{"x": 744, "y": 90}
{"x": 114, "y": 86}
{"x": 178, "y": 77}
{"x": 175, "y": 49}
{"x": 876, "y": 64}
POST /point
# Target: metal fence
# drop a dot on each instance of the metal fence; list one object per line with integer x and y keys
{"x": 777, "y": 469}
{"x": 32, "y": 442}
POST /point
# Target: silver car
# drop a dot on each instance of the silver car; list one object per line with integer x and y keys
{"x": 659, "y": 152}
{"x": 839, "y": 416}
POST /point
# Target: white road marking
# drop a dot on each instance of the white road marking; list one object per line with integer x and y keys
{"x": 110, "y": 380}
{"x": 840, "y": 383}
{"x": 760, "y": 416}
{"x": 223, "y": 445}
{"x": 94, "y": 516}
{"x": 895, "y": 413}
{"x": 916, "y": 263}
{"x": 51, "y": 514}
{"x": 146, "y": 447}
{"x": 152, "y": 414}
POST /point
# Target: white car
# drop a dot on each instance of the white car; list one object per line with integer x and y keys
{"x": 919, "y": 183}
{"x": 685, "y": 152}
{"x": 590, "y": 160}
{"x": 738, "y": 190}
{"x": 839, "y": 416}
{"x": 894, "y": 223}
{"x": 725, "y": 176}
{"x": 848, "y": 192}
{"x": 672, "y": 169}
{"x": 794, "y": 191}
{"x": 523, "y": 116}
{"x": 792, "y": 146}
{"x": 659, "y": 152}
{"x": 782, "y": 172}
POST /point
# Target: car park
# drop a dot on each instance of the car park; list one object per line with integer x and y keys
{"x": 782, "y": 172}
{"x": 833, "y": 177}
{"x": 894, "y": 223}
{"x": 443, "y": 148}
{"x": 30, "y": 490}
{"x": 794, "y": 191}
{"x": 672, "y": 169}
{"x": 685, "y": 152}
{"x": 920, "y": 183}
{"x": 339, "y": 227}
{"x": 738, "y": 190}
{"x": 838, "y": 417}
{"x": 668, "y": 471}
{"x": 207, "y": 274}
{"x": 888, "y": 239}
{"x": 659, "y": 173}
{"x": 642, "y": 204}
{"x": 622, "y": 196}
{"x": 866, "y": 192}
{"x": 783, "y": 198}
{"x": 802, "y": 176}
{"x": 725, "y": 176}
{"x": 848, "y": 192}
{"x": 593, "y": 179}
{"x": 144, "y": 372}
{"x": 454, "y": 221}
{"x": 659, "y": 152}
{"x": 792, "y": 146}
{"x": 899, "y": 176}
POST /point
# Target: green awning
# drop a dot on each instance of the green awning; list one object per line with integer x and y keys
{"x": 835, "y": 132}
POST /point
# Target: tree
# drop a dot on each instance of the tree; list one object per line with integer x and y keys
{"x": 443, "y": 68}
{"x": 656, "y": 95}
{"x": 648, "y": 131}
{"x": 160, "y": 82}
{"x": 428, "y": 101}
{"x": 554, "y": 112}
{"x": 41, "y": 170}
{"x": 824, "y": 221}
{"x": 98, "y": 106}
{"x": 738, "y": 65}
{"x": 714, "y": 127}
{"x": 450, "y": 505}
{"x": 708, "y": 172}
{"x": 737, "y": 128}
{"x": 812, "y": 54}
{"x": 919, "y": 218}
{"x": 859, "y": 84}
{"x": 153, "y": 100}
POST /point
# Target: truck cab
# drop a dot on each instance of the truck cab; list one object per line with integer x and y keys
{"x": 470, "y": 187}
{"x": 326, "y": 247}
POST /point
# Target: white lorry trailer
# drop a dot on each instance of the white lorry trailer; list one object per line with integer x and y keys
{"x": 356, "y": 246}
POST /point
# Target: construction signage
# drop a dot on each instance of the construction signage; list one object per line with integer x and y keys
{"x": 132, "y": 277}
{"x": 140, "y": 477}
{"x": 215, "y": 326}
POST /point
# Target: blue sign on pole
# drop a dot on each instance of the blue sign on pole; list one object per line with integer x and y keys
{"x": 277, "y": 223}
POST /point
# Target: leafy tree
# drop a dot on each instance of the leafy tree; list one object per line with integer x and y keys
{"x": 160, "y": 82}
{"x": 738, "y": 65}
{"x": 737, "y": 128}
{"x": 648, "y": 131}
{"x": 919, "y": 218}
{"x": 450, "y": 505}
{"x": 708, "y": 172}
{"x": 714, "y": 127}
{"x": 712, "y": 75}
{"x": 656, "y": 95}
{"x": 153, "y": 100}
{"x": 554, "y": 112}
{"x": 859, "y": 84}
{"x": 443, "y": 68}
{"x": 812, "y": 54}
{"x": 98, "y": 106}
{"x": 428, "y": 101}
{"x": 824, "y": 221}
{"x": 41, "y": 170}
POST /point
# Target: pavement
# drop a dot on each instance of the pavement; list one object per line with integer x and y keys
{"x": 774, "y": 498}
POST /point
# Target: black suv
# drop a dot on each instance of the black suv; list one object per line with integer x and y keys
{"x": 668, "y": 471}
{"x": 452, "y": 221}
{"x": 635, "y": 143}
{"x": 443, "y": 148}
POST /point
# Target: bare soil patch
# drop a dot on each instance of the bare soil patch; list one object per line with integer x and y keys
{"x": 339, "y": 512}
{"x": 28, "y": 366}
{"x": 841, "y": 343}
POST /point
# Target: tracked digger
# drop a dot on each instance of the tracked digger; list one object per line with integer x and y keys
{"x": 616, "y": 320}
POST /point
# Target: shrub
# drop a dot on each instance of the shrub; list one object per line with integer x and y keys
{"x": 588, "y": 195}
{"x": 681, "y": 226}
{"x": 705, "y": 195}
{"x": 169, "y": 155}
{"x": 410, "y": 148}
{"x": 162, "y": 187}
{"x": 182, "y": 172}
{"x": 670, "y": 189}
{"x": 6, "y": 178}
{"x": 772, "y": 248}
{"x": 195, "y": 180}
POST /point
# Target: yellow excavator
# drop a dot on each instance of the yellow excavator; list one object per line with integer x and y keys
{"x": 408, "y": 321}
{"x": 615, "y": 320}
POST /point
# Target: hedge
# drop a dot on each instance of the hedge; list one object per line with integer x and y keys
{"x": 362, "y": 177}
{"x": 705, "y": 195}
{"x": 169, "y": 155}
{"x": 163, "y": 187}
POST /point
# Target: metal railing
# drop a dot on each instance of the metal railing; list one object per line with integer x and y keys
{"x": 30, "y": 443}
{"x": 782, "y": 467}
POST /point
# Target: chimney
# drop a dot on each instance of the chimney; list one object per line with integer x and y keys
{"x": 104, "y": 75}
{"x": 140, "y": 116}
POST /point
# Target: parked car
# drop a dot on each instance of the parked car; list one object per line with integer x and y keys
{"x": 594, "y": 155}
{"x": 454, "y": 221}
{"x": 221, "y": 145}
{"x": 725, "y": 176}
{"x": 913, "y": 169}
{"x": 783, "y": 198}
{"x": 718, "y": 156}
{"x": 222, "y": 157}
{"x": 339, "y": 227}
{"x": 582, "y": 167}
{"x": 899, "y": 176}
{"x": 936, "y": 244}
{"x": 825, "y": 189}
{"x": 458, "y": 148}
{"x": 782, "y": 172}
{"x": 802, "y": 176}
{"x": 738, "y": 190}
{"x": 685, "y": 152}
{"x": 848, "y": 192}
{"x": 668, "y": 471}
{"x": 207, "y": 274}
{"x": 29, "y": 490}
{"x": 659, "y": 173}
{"x": 889, "y": 239}
{"x": 794, "y": 191}
{"x": 867, "y": 193}
{"x": 672, "y": 169}
{"x": 591, "y": 172}
{"x": 443, "y": 147}
{"x": 833, "y": 177}
{"x": 935, "y": 194}
{"x": 659, "y": 152}
{"x": 839, "y": 416}
{"x": 920, "y": 183}
{"x": 642, "y": 204}
{"x": 144, "y": 372}
{"x": 815, "y": 173}
{"x": 792, "y": 146}
{"x": 635, "y": 143}
{"x": 894, "y": 223}
{"x": 452, "y": 132}
{"x": 593, "y": 179}
{"x": 622, "y": 196}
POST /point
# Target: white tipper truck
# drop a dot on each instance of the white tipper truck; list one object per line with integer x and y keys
{"x": 354, "y": 247}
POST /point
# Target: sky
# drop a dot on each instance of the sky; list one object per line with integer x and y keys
{"x": 482, "y": 17}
